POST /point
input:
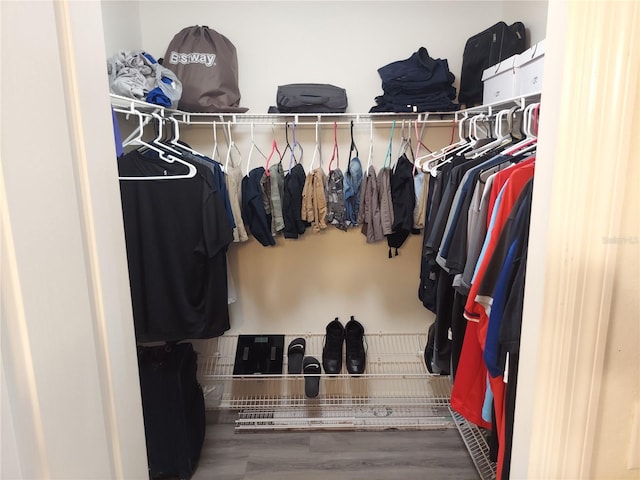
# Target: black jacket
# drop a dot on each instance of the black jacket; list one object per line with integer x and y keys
{"x": 253, "y": 212}
{"x": 403, "y": 196}
{"x": 292, "y": 202}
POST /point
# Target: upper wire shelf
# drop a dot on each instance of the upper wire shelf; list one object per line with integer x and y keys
{"x": 431, "y": 118}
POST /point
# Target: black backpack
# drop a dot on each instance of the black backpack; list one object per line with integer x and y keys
{"x": 483, "y": 50}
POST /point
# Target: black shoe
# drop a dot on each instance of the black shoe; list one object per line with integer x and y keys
{"x": 356, "y": 355}
{"x": 332, "y": 350}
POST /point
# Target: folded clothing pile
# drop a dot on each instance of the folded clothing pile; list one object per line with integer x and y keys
{"x": 418, "y": 84}
{"x": 136, "y": 74}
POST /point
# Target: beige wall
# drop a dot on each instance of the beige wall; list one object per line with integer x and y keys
{"x": 299, "y": 286}
{"x": 532, "y": 13}
{"x": 338, "y": 42}
{"x": 121, "y": 20}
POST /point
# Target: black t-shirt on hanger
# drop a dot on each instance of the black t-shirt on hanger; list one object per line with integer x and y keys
{"x": 176, "y": 233}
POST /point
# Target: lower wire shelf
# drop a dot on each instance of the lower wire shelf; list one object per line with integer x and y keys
{"x": 395, "y": 375}
{"x": 476, "y": 443}
{"x": 383, "y": 417}
{"x": 395, "y": 392}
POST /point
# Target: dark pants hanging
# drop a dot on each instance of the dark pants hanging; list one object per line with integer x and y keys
{"x": 509, "y": 411}
{"x": 444, "y": 307}
{"x": 458, "y": 327}
{"x": 493, "y": 441}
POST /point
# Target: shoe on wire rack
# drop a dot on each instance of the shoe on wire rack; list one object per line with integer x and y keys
{"x": 356, "y": 355}
{"x": 332, "y": 350}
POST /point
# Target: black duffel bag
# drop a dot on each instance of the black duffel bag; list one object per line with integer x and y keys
{"x": 310, "y": 98}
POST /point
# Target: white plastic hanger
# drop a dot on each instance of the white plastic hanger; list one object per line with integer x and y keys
{"x": 291, "y": 149}
{"x": 335, "y": 154}
{"x": 254, "y": 148}
{"x": 529, "y": 139}
{"x": 473, "y": 133}
{"x": 370, "y": 159}
{"x": 444, "y": 156}
{"x": 317, "y": 150}
{"x": 405, "y": 143}
{"x": 387, "y": 156}
{"x": 215, "y": 153}
{"x": 432, "y": 158}
{"x": 295, "y": 144}
{"x": 533, "y": 143}
{"x": 162, "y": 155}
{"x": 158, "y": 141}
{"x": 501, "y": 138}
{"x": 232, "y": 146}
{"x": 176, "y": 137}
{"x": 419, "y": 142}
{"x": 510, "y": 123}
{"x": 274, "y": 149}
{"x": 419, "y": 136}
{"x": 402, "y": 147}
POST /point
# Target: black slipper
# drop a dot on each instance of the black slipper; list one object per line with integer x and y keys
{"x": 295, "y": 354}
{"x": 312, "y": 371}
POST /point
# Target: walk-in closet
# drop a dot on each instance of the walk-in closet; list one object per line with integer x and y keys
{"x": 71, "y": 391}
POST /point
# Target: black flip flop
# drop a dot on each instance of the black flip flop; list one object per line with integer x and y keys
{"x": 312, "y": 371}
{"x": 295, "y": 354}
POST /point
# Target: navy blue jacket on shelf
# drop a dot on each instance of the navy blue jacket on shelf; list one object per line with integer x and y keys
{"x": 418, "y": 84}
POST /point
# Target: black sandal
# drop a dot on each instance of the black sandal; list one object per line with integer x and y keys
{"x": 295, "y": 354}
{"x": 312, "y": 371}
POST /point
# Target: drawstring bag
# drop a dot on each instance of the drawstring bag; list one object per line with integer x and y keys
{"x": 206, "y": 63}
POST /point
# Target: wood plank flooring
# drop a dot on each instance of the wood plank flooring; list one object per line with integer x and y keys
{"x": 329, "y": 455}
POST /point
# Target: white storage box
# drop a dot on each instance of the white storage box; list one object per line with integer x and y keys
{"x": 529, "y": 70}
{"x": 499, "y": 82}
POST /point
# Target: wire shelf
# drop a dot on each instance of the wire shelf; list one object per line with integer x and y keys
{"x": 476, "y": 444}
{"x": 395, "y": 374}
{"x": 269, "y": 119}
{"x": 381, "y": 417}
{"x": 310, "y": 119}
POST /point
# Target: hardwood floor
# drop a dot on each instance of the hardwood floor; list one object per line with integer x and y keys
{"x": 329, "y": 455}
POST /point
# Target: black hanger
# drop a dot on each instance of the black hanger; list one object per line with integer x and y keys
{"x": 353, "y": 145}
{"x": 287, "y": 146}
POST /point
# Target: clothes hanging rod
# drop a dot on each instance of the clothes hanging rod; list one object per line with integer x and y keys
{"x": 250, "y": 122}
{"x": 493, "y": 108}
{"x": 312, "y": 123}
